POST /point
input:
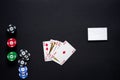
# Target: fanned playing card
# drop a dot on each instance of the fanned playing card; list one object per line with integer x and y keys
{"x": 46, "y": 49}
{"x": 62, "y": 54}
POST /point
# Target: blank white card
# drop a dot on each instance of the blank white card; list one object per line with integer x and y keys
{"x": 97, "y": 34}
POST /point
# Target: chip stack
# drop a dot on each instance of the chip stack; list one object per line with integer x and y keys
{"x": 24, "y": 58}
{"x": 23, "y": 72}
{"x": 11, "y": 43}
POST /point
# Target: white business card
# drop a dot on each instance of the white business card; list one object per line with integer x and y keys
{"x": 97, "y": 34}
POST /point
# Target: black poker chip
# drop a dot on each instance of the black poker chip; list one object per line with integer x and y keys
{"x": 24, "y": 54}
{"x": 22, "y": 62}
{"x": 11, "y": 29}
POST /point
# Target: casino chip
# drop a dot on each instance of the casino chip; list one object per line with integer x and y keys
{"x": 23, "y": 75}
{"x": 11, "y": 56}
{"x": 23, "y": 69}
{"x": 11, "y": 42}
{"x": 11, "y": 29}
{"x": 24, "y": 54}
{"x": 22, "y": 62}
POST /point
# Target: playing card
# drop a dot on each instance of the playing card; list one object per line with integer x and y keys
{"x": 62, "y": 54}
{"x": 46, "y": 49}
{"x": 55, "y": 44}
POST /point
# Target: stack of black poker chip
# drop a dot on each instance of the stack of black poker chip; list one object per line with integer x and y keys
{"x": 24, "y": 58}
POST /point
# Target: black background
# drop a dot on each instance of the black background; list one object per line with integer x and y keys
{"x": 41, "y": 20}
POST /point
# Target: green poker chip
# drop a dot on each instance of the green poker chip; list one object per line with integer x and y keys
{"x": 11, "y": 56}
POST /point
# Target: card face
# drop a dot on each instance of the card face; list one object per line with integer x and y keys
{"x": 97, "y": 34}
{"x": 55, "y": 44}
{"x": 62, "y": 54}
{"x": 46, "y": 49}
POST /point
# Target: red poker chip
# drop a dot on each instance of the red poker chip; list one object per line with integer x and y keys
{"x": 11, "y": 42}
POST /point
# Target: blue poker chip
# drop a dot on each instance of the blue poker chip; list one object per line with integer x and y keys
{"x": 23, "y": 75}
{"x": 23, "y": 69}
